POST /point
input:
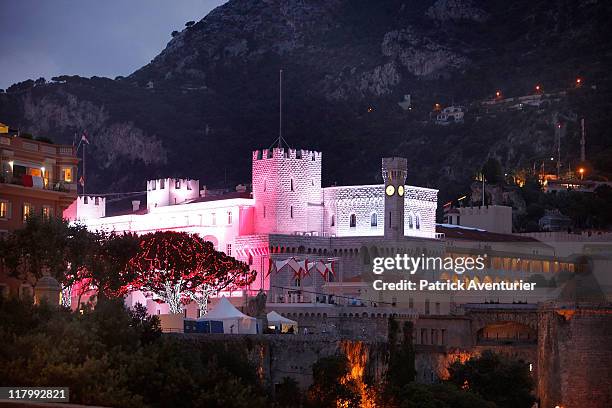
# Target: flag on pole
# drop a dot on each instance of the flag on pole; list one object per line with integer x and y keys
{"x": 84, "y": 138}
{"x": 82, "y": 181}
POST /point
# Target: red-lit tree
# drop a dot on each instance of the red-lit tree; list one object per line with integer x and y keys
{"x": 178, "y": 267}
{"x": 223, "y": 272}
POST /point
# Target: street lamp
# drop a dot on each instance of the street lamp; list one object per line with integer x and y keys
{"x": 581, "y": 171}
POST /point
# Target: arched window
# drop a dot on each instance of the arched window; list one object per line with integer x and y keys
{"x": 353, "y": 221}
{"x": 410, "y": 221}
{"x": 374, "y": 220}
{"x": 418, "y": 221}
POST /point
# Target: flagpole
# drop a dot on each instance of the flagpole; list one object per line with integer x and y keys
{"x": 84, "y": 169}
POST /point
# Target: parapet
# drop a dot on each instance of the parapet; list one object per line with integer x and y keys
{"x": 286, "y": 153}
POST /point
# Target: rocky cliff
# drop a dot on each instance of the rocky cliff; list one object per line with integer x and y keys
{"x": 211, "y": 96}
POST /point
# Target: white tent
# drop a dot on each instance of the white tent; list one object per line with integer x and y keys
{"x": 281, "y": 323}
{"x": 234, "y": 321}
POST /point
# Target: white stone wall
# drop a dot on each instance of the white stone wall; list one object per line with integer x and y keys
{"x": 210, "y": 220}
{"x": 362, "y": 201}
{"x": 365, "y": 200}
{"x": 420, "y": 203}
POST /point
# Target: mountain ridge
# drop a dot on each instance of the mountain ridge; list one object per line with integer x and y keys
{"x": 211, "y": 96}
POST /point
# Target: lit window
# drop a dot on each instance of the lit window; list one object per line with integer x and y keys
{"x": 67, "y": 174}
{"x": 4, "y": 209}
{"x": 374, "y": 220}
{"x": 229, "y": 250}
{"x": 353, "y": 221}
{"x": 229, "y": 218}
{"x": 27, "y": 210}
{"x": 46, "y": 211}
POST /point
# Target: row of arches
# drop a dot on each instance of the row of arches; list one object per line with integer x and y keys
{"x": 349, "y": 315}
{"x": 373, "y": 251}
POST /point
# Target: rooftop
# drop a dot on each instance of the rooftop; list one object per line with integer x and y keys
{"x": 476, "y": 234}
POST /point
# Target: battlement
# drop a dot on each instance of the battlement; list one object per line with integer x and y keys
{"x": 86, "y": 207}
{"x": 286, "y": 153}
{"x": 171, "y": 191}
{"x": 173, "y": 183}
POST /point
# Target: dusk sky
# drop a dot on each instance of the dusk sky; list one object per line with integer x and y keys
{"x": 87, "y": 37}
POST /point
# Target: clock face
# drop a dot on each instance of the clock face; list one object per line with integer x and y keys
{"x": 400, "y": 190}
{"x": 390, "y": 190}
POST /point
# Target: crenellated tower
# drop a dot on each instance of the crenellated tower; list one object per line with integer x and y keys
{"x": 287, "y": 191}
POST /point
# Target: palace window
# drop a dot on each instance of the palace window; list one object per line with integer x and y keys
{"x": 162, "y": 184}
{"x": 177, "y": 184}
{"x": 333, "y": 221}
{"x": 353, "y": 221}
{"x": 26, "y": 210}
{"x": 229, "y": 218}
{"x": 46, "y": 211}
{"x": 228, "y": 250}
{"x": 374, "y": 220}
{"x": 67, "y": 174}
{"x": 4, "y": 209}
{"x": 418, "y": 221}
{"x": 410, "y": 221}
{"x": 292, "y": 187}
{"x": 291, "y": 211}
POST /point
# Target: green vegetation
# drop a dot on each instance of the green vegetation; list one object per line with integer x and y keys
{"x": 587, "y": 210}
{"x": 505, "y": 382}
{"x": 330, "y": 384}
{"x": 111, "y": 356}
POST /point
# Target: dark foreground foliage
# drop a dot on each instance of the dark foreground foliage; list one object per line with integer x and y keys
{"x": 111, "y": 356}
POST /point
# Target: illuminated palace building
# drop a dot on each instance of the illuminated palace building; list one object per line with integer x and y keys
{"x": 311, "y": 245}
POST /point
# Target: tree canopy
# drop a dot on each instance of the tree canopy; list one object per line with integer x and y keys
{"x": 489, "y": 375}
{"x": 176, "y": 266}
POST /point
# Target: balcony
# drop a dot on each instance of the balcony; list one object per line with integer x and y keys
{"x": 57, "y": 185}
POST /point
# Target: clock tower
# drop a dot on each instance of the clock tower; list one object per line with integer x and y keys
{"x": 394, "y": 172}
